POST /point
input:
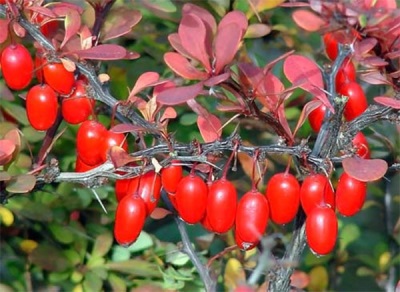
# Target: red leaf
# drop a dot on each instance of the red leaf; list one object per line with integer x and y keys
{"x": 7, "y": 148}
{"x": 126, "y": 128}
{"x": 175, "y": 42}
{"x": 119, "y": 157}
{"x": 145, "y": 80}
{"x": 120, "y": 22}
{"x": 192, "y": 33}
{"x": 374, "y": 77}
{"x": 169, "y": 113}
{"x": 236, "y": 17}
{"x": 203, "y": 14}
{"x": 299, "y": 279}
{"x": 181, "y": 66}
{"x": 307, "y": 109}
{"x": 250, "y": 74}
{"x": 72, "y": 24}
{"x": 301, "y": 70}
{"x": 42, "y": 11}
{"x": 4, "y": 29}
{"x": 365, "y": 169}
{"x": 226, "y": 45}
{"x": 283, "y": 120}
{"x": 208, "y": 20}
{"x": 103, "y": 52}
{"x": 388, "y": 101}
{"x": 210, "y": 127}
{"x": 163, "y": 86}
{"x": 387, "y": 4}
{"x": 308, "y": 20}
{"x": 62, "y": 8}
{"x": 178, "y": 95}
{"x": 159, "y": 213}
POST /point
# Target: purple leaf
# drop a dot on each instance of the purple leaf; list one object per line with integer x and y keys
{"x": 126, "y": 128}
{"x": 181, "y": 66}
{"x": 192, "y": 33}
{"x": 179, "y": 95}
{"x": 120, "y": 22}
{"x": 103, "y": 52}
{"x": 72, "y": 25}
{"x": 365, "y": 169}
{"x": 388, "y": 101}
{"x": 217, "y": 79}
{"x": 226, "y": 45}
{"x": 308, "y": 20}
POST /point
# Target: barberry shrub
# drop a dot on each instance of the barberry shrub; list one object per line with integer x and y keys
{"x": 190, "y": 146}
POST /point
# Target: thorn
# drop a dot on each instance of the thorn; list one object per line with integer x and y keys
{"x": 100, "y": 202}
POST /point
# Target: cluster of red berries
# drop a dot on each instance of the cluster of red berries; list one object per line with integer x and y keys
{"x": 56, "y": 86}
{"x": 215, "y": 205}
{"x": 346, "y": 85}
{"x": 59, "y": 86}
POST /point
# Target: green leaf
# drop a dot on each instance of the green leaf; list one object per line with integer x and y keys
{"x": 143, "y": 242}
{"x": 16, "y": 111}
{"x": 61, "y": 233}
{"x": 188, "y": 119}
{"x": 120, "y": 253}
{"x": 176, "y": 257}
{"x": 135, "y": 267}
{"x": 116, "y": 283}
{"x": 32, "y": 135}
{"x": 49, "y": 258}
{"x": 4, "y": 176}
{"x": 32, "y": 210}
{"x": 102, "y": 244}
{"x": 92, "y": 282}
{"x": 364, "y": 272}
{"x": 348, "y": 234}
{"x": 319, "y": 279}
{"x": 59, "y": 277}
{"x": 95, "y": 262}
{"x": 72, "y": 256}
{"x": 21, "y": 184}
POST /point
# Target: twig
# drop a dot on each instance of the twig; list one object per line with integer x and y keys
{"x": 209, "y": 283}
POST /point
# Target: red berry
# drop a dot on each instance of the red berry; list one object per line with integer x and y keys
{"x": 122, "y": 186}
{"x": 244, "y": 245}
{"x": 17, "y": 66}
{"x": 148, "y": 187}
{"x": 321, "y": 230}
{"x": 112, "y": 139}
{"x": 191, "y": 198}
{"x": 283, "y": 194}
{"x": 81, "y": 166}
{"x": 252, "y": 217}
{"x": 88, "y": 142}
{"x": 129, "y": 219}
{"x": 59, "y": 78}
{"x": 316, "y": 117}
{"x": 331, "y": 46}
{"x": 221, "y": 205}
{"x": 346, "y": 73}
{"x": 316, "y": 191}
{"x": 78, "y": 107}
{"x": 171, "y": 176}
{"x": 361, "y": 144}
{"x": 357, "y": 102}
{"x": 41, "y": 107}
{"x": 350, "y": 195}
